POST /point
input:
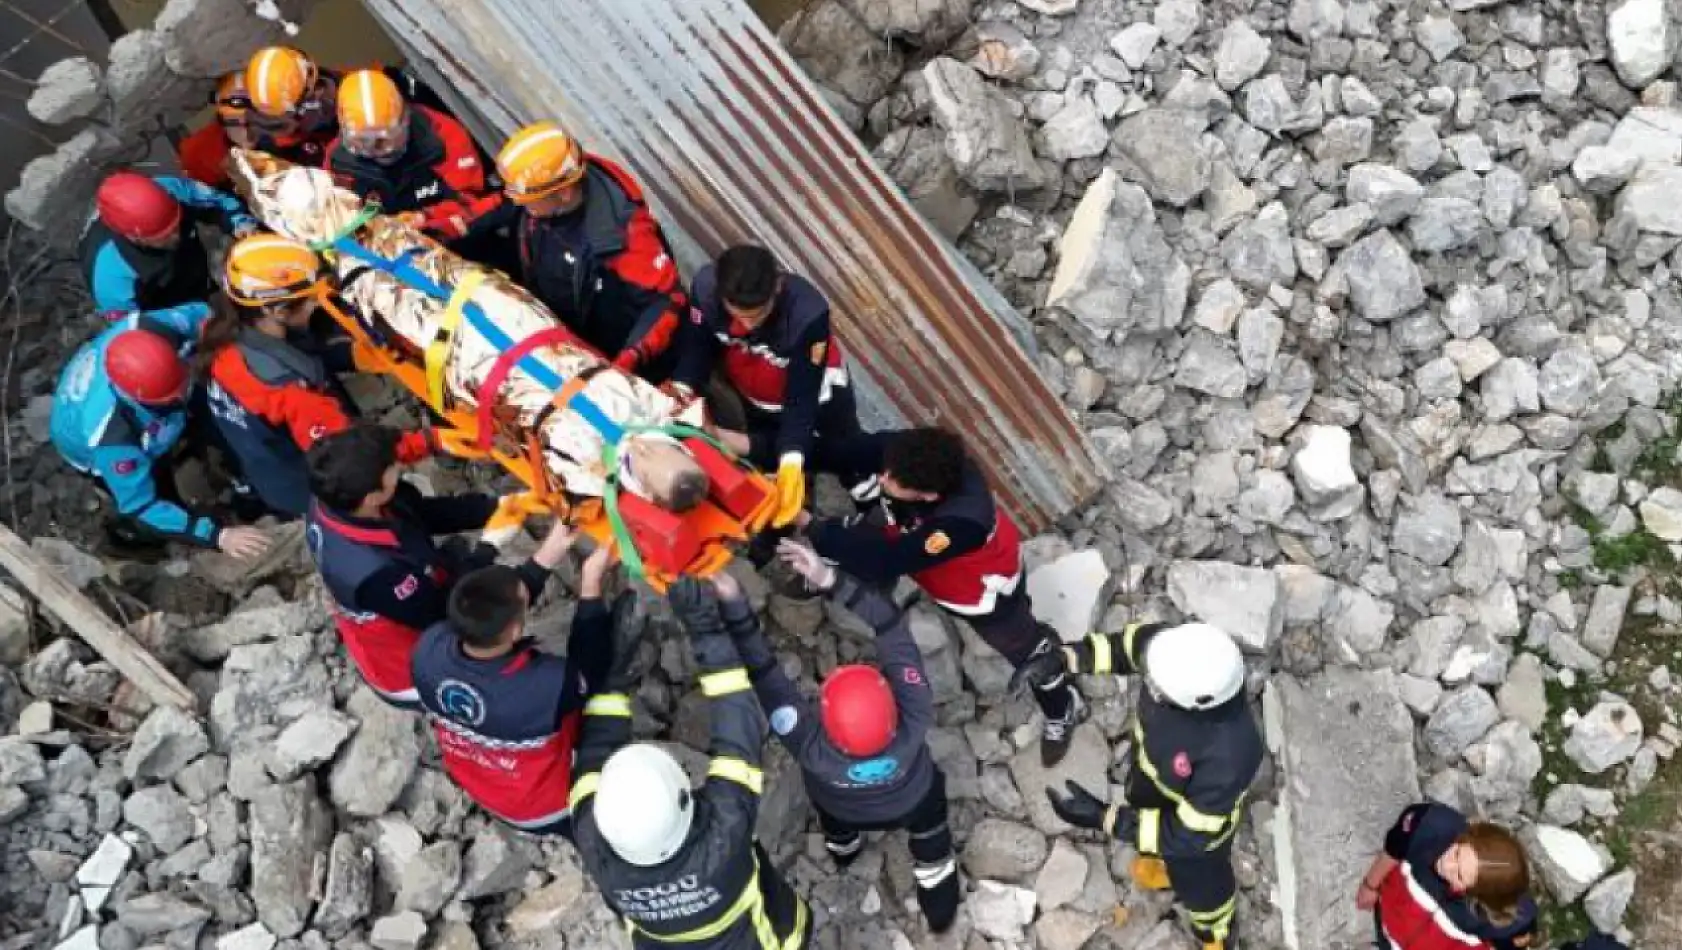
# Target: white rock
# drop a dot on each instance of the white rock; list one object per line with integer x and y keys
{"x": 253, "y": 937}
{"x": 1219, "y": 306}
{"x": 1178, "y": 20}
{"x": 1243, "y": 601}
{"x": 1642, "y": 40}
{"x": 1568, "y": 863}
{"x": 1661, "y": 513}
{"x": 85, "y": 939}
{"x": 1001, "y": 912}
{"x": 311, "y": 740}
{"x": 1136, "y": 43}
{"x": 1608, "y": 735}
{"x": 106, "y": 864}
{"x": 1648, "y": 199}
{"x": 403, "y": 931}
{"x": 1607, "y": 901}
{"x": 1069, "y": 592}
{"x": 1050, "y": 7}
{"x": 1241, "y": 55}
{"x": 1324, "y": 475}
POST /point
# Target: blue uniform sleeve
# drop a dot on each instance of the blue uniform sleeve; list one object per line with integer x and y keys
{"x": 867, "y": 553}
{"x": 181, "y": 323}
{"x": 113, "y": 282}
{"x": 802, "y": 390}
{"x": 199, "y": 195}
{"x": 127, "y": 472}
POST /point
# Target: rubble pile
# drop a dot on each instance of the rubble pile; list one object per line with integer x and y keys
{"x": 1368, "y": 304}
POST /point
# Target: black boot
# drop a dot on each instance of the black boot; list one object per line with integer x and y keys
{"x": 938, "y": 894}
{"x": 844, "y": 850}
{"x": 1059, "y": 731}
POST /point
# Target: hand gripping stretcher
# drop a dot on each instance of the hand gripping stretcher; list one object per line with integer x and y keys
{"x": 509, "y": 382}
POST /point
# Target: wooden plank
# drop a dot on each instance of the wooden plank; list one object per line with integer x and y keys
{"x": 91, "y": 624}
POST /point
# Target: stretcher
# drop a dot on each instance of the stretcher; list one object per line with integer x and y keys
{"x": 510, "y": 384}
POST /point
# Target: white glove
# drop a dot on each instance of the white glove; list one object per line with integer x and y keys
{"x": 819, "y": 573}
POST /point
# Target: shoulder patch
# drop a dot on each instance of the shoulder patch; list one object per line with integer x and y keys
{"x": 125, "y": 466}
{"x": 1182, "y": 765}
{"x": 407, "y": 589}
{"x": 784, "y": 719}
{"x": 819, "y": 351}
{"x": 910, "y": 675}
{"x": 461, "y": 702}
{"x": 936, "y": 543}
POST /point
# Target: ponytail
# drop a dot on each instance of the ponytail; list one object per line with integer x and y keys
{"x": 219, "y": 332}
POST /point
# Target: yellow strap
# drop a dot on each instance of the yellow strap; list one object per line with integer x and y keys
{"x": 583, "y": 787}
{"x": 737, "y": 771}
{"x": 1102, "y": 661}
{"x": 609, "y": 704}
{"x": 1150, "y": 831}
{"x": 1219, "y": 915}
{"x": 438, "y": 351}
{"x": 725, "y": 682}
{"x": 1127, "y": 636}
{"x": 749, "y": 901}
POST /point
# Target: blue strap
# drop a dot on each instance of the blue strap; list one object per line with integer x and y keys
{"x": 401, "y": 268}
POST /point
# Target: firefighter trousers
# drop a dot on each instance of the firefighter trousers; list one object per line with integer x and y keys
{"x": 1012, "y": 629}
{"x": 930, "y": 839}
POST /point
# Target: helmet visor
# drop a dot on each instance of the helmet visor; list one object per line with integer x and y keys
{"x": 378, "y": 143}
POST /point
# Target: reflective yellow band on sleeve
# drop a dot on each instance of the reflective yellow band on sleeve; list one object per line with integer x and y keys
{"x": 609, "y": 704}
{"x": 739, "y": 772}
{"x": 725, "y": 682}
{"x": 1150, "y": 831}
{"x": 1219, "y": 915}
{"x": 438, "y": 351}
{"x": 750, "y": 901}
{"x": 1127, "y": 637}
{"x": 583, "y": 787}
{"x": 1110, "y": 814}
{"x": 1102, "y": 660}
{"x": 1198, "y": 821}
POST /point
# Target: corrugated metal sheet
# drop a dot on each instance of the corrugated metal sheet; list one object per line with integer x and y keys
{"x": 732, "y": 142}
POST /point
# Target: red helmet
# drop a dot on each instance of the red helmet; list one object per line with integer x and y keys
{"x": 145, "y": 367}
{"x": 859, "y": 714}
{"x": 136, "y": 207}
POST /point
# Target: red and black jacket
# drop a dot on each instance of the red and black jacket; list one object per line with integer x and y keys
{"x": 605, "y": 270}
{"x": 440, "y": 174}
{"x": 786, "y": 368}
{"x": 507, "y": 726}
{"x": 963, "y": 550}
{"x": 389, "y": 581}
{"x": 1417, "y": 910}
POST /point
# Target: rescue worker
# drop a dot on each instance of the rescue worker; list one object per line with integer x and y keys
{"x": 1196, "y": 750}
{"x": 1443, "y": 883}
{"x": 273, "y": 389}
{"x": 505, "y": 713}
{"x": 204, "y": 154}
{"x": 118, "y": 412}
{"x": 681, "y": 865}
{"x": 420, "y": 164}
{"x": 591, "y": 251}
{"x": 371, "y": 536}
{"x": 943, "y": 528}
{"x": 863, "y": 748}
{"x": 142, "y": 251}
{"x": 771, "y": 332}
{"x": 295, "y": 102}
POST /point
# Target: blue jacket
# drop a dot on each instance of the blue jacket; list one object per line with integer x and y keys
{"x": 125, "y": 277}
{"x": 102, "y": 433}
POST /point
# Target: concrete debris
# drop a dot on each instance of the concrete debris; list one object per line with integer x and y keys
{"x": 1568, "y": 863}
{"x": 167, "y": 742}
{"x": 1069, "y": 592}
{"x": 984, "y": 139}
{"x": 310, "y": 741}
{"x": 67, "y": 90}
{"x": 1116, "y": 274}
{"x": 290, "y": 829}
{"x": 376, "y": 763}
{"x": 1608, "y": 735}
{"x": 1243, "y": 601}
{"x": 1606, "y": 902}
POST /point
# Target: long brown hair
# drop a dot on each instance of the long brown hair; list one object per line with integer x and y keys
{"x": 1503, "y": 871}
{"x": 220, "y": 331}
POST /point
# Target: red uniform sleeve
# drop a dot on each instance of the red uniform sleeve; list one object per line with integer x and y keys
{"x": 413, "y": 447}
{"x": 203, "y": 154}
{"x": 647, "y": 268}
{"x": 464, "y": 171}
{"x": 307, "y": 414}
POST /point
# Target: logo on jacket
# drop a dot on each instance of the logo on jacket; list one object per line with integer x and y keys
{"x": 911, "y": 676}
{"x": 427, "y": 191}
{"x": 937, "y": 543}
{"x": 873, "y": 771}
{"x": 819, "y": 351}
{"x": 1182, "y": 765}
{"x": 784, "y": 719}
{"x": 125, "y": 466}
{"x": 407, "y": 589}
{"x": 461, "y": 702}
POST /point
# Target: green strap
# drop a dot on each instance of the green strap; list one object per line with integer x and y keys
{"x": 367, "y": 214}
{"x": 628, "y": 553}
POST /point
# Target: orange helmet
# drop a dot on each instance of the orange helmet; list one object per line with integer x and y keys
{"x": 539, "y": 160}
{"x": 267, "y": 268}
{"x": 279, "y": 77}
{"x": 370, "y": 102}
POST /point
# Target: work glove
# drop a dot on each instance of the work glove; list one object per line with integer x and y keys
{"x": 791, "y": 489}
{"x": 696, "y": 608}
{"x": 1040, "y": 671}
{"x": 1079, "y": 807}
{"x": 818, "y": 573}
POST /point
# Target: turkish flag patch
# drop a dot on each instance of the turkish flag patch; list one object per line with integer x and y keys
{"x": 936, "y": 543}
{"x": 1182, "y": 765}
{"x": 912, "y": 676}
{"x": 407, "y": 589}
{"x": 125, "y": 466}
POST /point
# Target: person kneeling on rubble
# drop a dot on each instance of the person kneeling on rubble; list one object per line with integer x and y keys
{"x": 507, "y": 714}
{"x": 1443, "y": 883}
{"x": 681, "y": 865}
{"x": 371, "y": 535}
{"x": 119, "y": 412}
{"x": 863, "y": 747}
{"x": 1196, "y": 750}
{"x": 273, "y": 387}
{"x": 418, "y": 163}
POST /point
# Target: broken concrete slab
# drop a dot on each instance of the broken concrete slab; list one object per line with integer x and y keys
{"x": 67, "y": 90}
{"x": 1243, "y": 601}
{"x": 1343, "y": 742}
{"x": 1069, "y": 592}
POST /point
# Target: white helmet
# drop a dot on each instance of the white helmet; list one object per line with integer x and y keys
{"x": 1194, "y": 666}
{"x": 644, "y": 804}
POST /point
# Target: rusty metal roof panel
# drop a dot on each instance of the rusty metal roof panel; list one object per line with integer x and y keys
{"x": 732, "y": 143}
